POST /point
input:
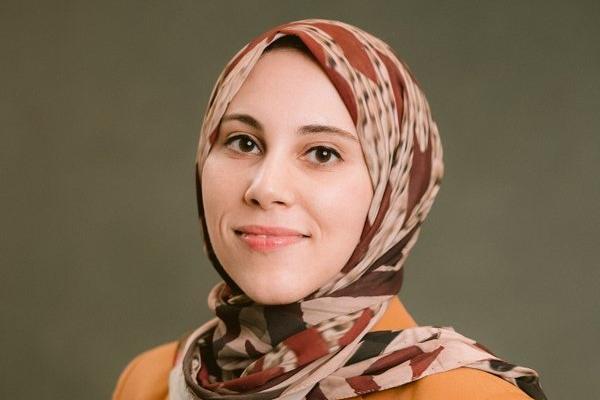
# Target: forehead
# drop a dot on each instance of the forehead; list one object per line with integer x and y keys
{"x": 286, "y": 85}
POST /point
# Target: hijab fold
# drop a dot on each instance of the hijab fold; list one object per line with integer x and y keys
{"x": 321, "y": 347}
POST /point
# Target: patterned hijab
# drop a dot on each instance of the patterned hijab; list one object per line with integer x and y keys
{"x": 320, "y": 347}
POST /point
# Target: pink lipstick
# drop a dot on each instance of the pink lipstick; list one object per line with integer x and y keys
{"x": 268, "y": 238}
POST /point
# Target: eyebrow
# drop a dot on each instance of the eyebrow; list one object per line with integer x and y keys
{"x": 303, "y": 130}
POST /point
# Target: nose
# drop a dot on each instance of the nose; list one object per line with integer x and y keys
{"x": 270, "y": 184}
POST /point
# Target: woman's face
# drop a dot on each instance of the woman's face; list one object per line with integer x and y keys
{"x": 287, "y": 156}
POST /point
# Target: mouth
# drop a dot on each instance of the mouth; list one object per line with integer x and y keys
{"x": 268, "y": 231}
{"x": 240, "y": 233}
{"x": 257, "y": 240}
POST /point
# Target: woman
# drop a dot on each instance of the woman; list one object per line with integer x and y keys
{"x": 317, "y": 163}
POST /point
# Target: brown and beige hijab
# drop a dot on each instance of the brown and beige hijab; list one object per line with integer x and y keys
{"x": 320, "y": 347}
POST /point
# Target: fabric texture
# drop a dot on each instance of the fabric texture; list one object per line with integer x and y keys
{"x": 321, "y": 347}
{"x": 146, "y": 376}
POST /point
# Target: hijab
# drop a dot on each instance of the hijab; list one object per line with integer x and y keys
{"x": 321, "y": 347}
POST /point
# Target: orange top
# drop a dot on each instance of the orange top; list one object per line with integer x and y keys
{"x": 147, "y": 375}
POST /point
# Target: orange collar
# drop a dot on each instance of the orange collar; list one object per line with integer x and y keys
{"x": 395, "y": 317}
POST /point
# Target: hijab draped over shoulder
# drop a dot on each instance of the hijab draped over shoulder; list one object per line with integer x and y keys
{"x": 320, "y": 347}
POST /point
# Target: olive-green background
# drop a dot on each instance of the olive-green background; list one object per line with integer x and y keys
{"x": 101, "y": 254}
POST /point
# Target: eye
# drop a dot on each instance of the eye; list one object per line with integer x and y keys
{"x": 246, "y": 144}
{"x": 323, "y": 154}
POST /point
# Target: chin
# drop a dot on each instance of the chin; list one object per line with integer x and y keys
{"x": 273, "y": 296}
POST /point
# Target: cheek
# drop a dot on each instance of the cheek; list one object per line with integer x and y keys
{"x": 217, "y": 189}
{"x": 343, "y": 207}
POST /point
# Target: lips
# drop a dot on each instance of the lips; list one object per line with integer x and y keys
{"x": 268, "y": 230}
{"x": 268, "y": 238}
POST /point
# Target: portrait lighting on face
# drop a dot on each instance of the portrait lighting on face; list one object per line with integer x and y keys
{"x": 285, "y": 186}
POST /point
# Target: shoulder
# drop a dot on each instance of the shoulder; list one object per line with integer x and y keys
{"x": 460, "y": 383}
{"x": 147, "y": 375}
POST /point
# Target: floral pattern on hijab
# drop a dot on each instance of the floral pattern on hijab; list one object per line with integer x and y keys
{"x": 321, "y": 347}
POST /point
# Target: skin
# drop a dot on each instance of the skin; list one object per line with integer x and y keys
{"x": 263, "y": 172}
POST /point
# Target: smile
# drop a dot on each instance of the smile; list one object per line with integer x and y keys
{"x": 267, "y": 243}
